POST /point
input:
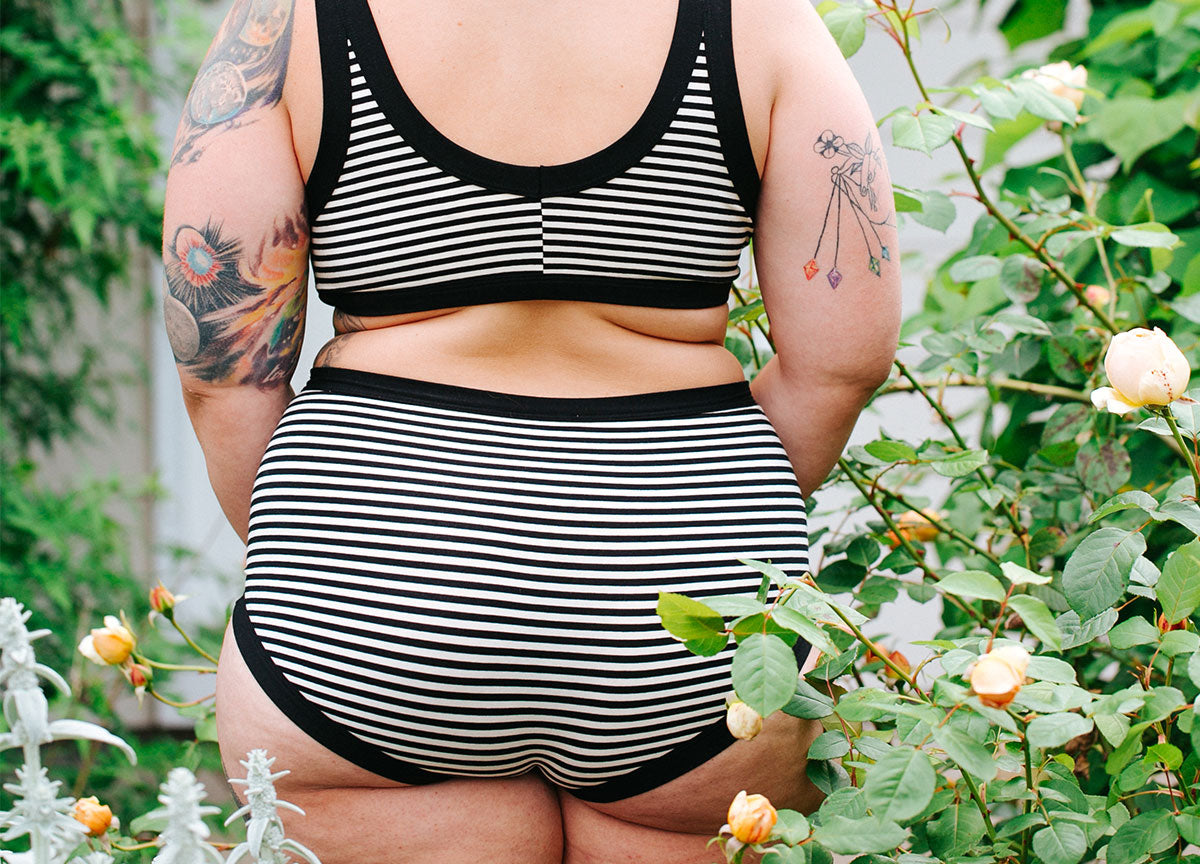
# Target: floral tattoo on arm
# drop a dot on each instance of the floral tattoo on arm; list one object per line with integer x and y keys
{"x": 853, "y": 174}
{"x": 235, "y": 312}
{"x": 244, "y": 70}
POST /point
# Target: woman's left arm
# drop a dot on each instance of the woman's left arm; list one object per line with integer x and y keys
{"x": 235, "y": 250}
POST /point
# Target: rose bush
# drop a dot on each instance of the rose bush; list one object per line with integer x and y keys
{"x": 1054, "y": 717}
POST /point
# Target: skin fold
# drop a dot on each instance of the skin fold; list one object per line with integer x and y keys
{"x": 530, "y": 82}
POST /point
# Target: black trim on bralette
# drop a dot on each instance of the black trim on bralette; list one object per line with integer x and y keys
{"x": 665, "y": 404}
{"x": 288, "y": 698}
{"x": 532, "y": 181}
{"x": 506, "y": 287}
{"x": 727, "y": 102}
{"x": 335, "y": 107}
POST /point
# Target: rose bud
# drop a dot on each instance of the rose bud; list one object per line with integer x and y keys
{"x": 1097, "y": 295}
{"x": 1145, "y": 368}
{"x": 998, "y": 675}
{"x": 108, "y": 645}
{"x": 901, "y": 663}
{"x": 751, "y": 818}
{"x": 1165, "y": 626}
{"x": 162, "y": 600}
{"x": 93, "y": 815}
{"x": 743, "y": 721}
{"x": 1062, "y": 80}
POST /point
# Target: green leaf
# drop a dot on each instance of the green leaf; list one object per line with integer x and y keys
{"x": 1038, "y": 619}
{"x": 972, "y": 584}
{"x": 966, "y": 752}
{"x": 1076, "y": 632}
{"x": 1151, "y": 235}
{"x": 700, "y": 628}
{"x": 792, "y": 827}
{"x": 1027, "y": 20}
{"x": 764, "y": 673}
{"x": 1103, "y": 466}
{"x": 829, "y": 745}
{"x": 1019, "y": 575}
{"x": 1193, "y": 668}
{"x": 965, "y": 117}
{"x": 808, "y": 702}
{"x": 810, "y": 632}
{"x": 1021, "y": 278}
{"x": 1042, "y": 103}
{"x": 1060, "y": 843}
{"x": 1133, "y": 631}
{"x": 924, "y": 132}
{"x": 956, "y": 830}
{"x": 1176, "y": 642}
{"x": 1126, "y": 500}
{"x": 1055, "y": 730}
{"x": 891, "y": 451}
{"x": 932, "y": 209}
{"x": 961, "y": 464}
{"x": 1043, "y": 668}
{"x": 1143, "y": 835}
{"x": 1178, "y": 590}
{"x": 847, "y": 836}
{"x": 1097, "y": 572}
{"x": 1131, "y": 125}
{"x": 848, "y": 26}
{"x": 1000, "y": 102}
{"x": 900, "y": 785}
{"x": 975, "y": 268}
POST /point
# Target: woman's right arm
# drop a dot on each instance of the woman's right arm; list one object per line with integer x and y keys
{"x": 235, "y": 249}
{"x": 825, "y": 247}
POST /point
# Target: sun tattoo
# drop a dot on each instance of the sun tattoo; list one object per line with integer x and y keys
{"x": 245, "y": 70}
{"x": 853, "y": 177}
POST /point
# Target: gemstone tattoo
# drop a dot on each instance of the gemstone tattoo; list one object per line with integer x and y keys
{"x": 244, "y": 70}
{"x": 235, "y": 312}
{"x": 853, "y": 174}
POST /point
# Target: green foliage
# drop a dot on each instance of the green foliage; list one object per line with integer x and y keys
{"x": 1057, "y": 526}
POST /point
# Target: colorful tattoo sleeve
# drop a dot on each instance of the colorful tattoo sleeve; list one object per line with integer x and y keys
{"x": 244, "y": 70}
{"x": 235, "y": 311}
{"x": 853, "y": 201}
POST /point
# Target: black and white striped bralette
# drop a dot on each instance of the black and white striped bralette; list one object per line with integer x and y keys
{"x": 405, "y": 220}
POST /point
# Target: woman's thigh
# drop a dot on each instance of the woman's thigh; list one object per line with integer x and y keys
{"x": 353, "y": 816}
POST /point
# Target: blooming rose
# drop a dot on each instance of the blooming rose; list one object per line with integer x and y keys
{"x": 743, "y": 721}
{"x": 93, "y": 815}
{"x": 1062, "y": 80}
{"x": 751, "y": 818}
{"x": 998, "y": 675}
{"x": 110, "y": 644}
{"x": 1145, "y": 368}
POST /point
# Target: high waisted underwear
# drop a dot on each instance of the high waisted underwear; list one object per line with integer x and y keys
{"x": 446, "y": 582}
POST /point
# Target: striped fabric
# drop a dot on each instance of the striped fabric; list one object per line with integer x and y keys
{"x": 405, "y": 219}
{"x": 471, "y": 592}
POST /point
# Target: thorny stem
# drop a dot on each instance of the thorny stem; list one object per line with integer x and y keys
{"x": 188, "y": 640}
{"x": 1012, "y": 227}
{"x": 1089, "y": 205}
{"x": 1026, "y": 807}
{"x": 1165, "y": 413}
{"x": 908, "y": 547}
{"x": 1002, "y": 383}
{"x": 987, "y": 817}
{"x": 1017, "y": 527}
{"x": 887, "y": 661}
{"x": 175, "y": 704}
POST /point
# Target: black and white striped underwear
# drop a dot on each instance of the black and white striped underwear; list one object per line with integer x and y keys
{"x": 447, "y": 582}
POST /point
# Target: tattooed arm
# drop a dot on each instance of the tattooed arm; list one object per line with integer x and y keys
{"x": 235, "y": 249}
{"x": 825, "y": 248}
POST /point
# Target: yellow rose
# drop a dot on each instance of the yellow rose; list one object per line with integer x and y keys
{"x": 743, "y": 721}
{"x": 93, "y": 815}
{"x": 751, "y": 818}
{"x": 1145, "y": 368}
{"x": 108, "y": 645}
{"x": 999, "y": 674}
{"x": 1062, "y": 80}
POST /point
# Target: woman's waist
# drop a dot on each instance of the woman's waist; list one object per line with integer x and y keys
{"x": 550, "y": 349}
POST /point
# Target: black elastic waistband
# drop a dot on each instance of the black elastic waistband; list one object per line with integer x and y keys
{"x": 663, "y": 404}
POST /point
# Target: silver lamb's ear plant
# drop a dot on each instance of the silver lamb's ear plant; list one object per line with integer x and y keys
{"x": 37, "y": 812}
{"x": 265, "y": 842}
{"x": 183, "y": 840}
